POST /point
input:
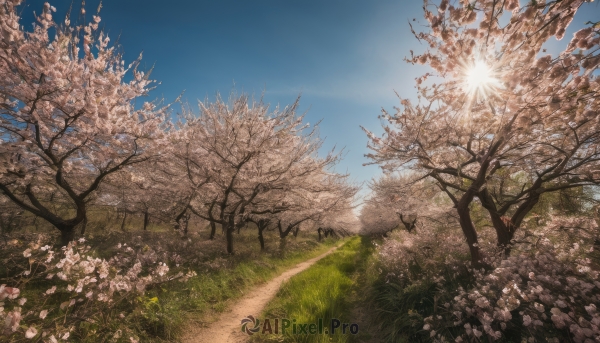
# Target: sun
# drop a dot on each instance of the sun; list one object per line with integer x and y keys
{"x": 480, "y": 80}
{"x": 479, "y": 76}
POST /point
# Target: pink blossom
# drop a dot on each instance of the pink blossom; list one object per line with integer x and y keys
{"x": 43, "y": 314}
{"x": 31, "y": 332}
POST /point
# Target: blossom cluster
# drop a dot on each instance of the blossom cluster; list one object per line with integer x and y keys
{"x": 544, "y": 290}
{"x": 79, "y": 284}
{"x": 430, "y": 249}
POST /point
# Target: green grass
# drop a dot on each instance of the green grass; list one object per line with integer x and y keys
{"x": 327, "y": 290}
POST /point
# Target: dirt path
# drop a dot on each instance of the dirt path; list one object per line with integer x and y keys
{"x": 227, "y": 329}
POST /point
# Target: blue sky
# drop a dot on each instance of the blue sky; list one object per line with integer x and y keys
{"x": 344, "y": 56}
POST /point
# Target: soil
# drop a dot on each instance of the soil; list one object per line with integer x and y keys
{"x": 227, "y": 328}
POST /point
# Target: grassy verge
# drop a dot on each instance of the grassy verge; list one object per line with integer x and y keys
{"x": 328, "y": 290}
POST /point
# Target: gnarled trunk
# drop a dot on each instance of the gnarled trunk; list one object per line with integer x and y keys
{"x": 229, "y": 228}
{"x": 229, "y": 237}
{"x": 504, "y": 226}
{"x": 84, "y": 225}
{"x": 213, "y": 229}
{"x": 123, "y": 222}
{"x": 262, "y": 225}
{"x": 408, "y": 223}
{"x": 146, "y": 220}
{"x": 261, "y": 239}
{"x": 186, "y": 223}
{"x": 468, "y": 229}
{"x": 67, "y": 235}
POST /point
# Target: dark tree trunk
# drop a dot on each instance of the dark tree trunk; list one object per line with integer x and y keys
{"x": 80, "y": 199}
{"x": 262, "y": 225}
{"x": 229, "y": 231}
{"x": 123, "y": 222}
{"x": 84, "y": 225}
{"x": 186, "y": 222}
{"x": 506, "y": 227}
{"x": 261, "y": 239}
{"x": 319, "y": 231}
{"x": 469, "y": 232}
{"x": 68, "y": 228}
{"x": 229, "y": 238}
{"x": 146, "y": 219}
{"x": 179, "y": 218}
{"x": 502, "y": 225}
{"x": 296, "y": 231}
{"x": 282, "y": 237}
{"x": 67, "y": 234}
{"x": 408, "y": 224}
{"x": 213, "y": 229}
{"x": 283, "y": 233}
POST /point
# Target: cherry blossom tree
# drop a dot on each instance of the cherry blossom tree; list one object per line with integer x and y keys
{"x": 400, "y": 201}
{"x": 244, "y": 161}
{"x": 67, "y": 117}
{"x": 342, "y": 222}
{"x": 503, "y": 109}
{"x": 377, "y": 218}
{"x": 319, "y": 200}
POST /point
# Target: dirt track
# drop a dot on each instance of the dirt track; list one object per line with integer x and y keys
{"x": 227, "y": 329}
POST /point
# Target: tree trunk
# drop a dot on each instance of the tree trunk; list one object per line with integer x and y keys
{"x": 469, "y": 232}
{"x": 261, "y": 225}
{"x": 123, "y": 222}
{"x": 261, "y": 239}
{"x": 67, "y": 234}
{"x": 84, "y": 225}
{"x": 229, "y": 237}
{"x": 283, "y": 233}
{"x": 502, "y": 225}
{"x": 282, "y": 245}
{"x": 146, "y": 219}
{"x": 178, "y": 219}
{"x": 66, "y": 227}
{"x": 506, "y": 227}
{"x": 319, "y": 231}
{"x": 186, "y": 222}
{"x": 213, "y": 229}
{"x": 229, "y": 228}
{"x": 408, "y": 224}
{"x": 296, "y": 231}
